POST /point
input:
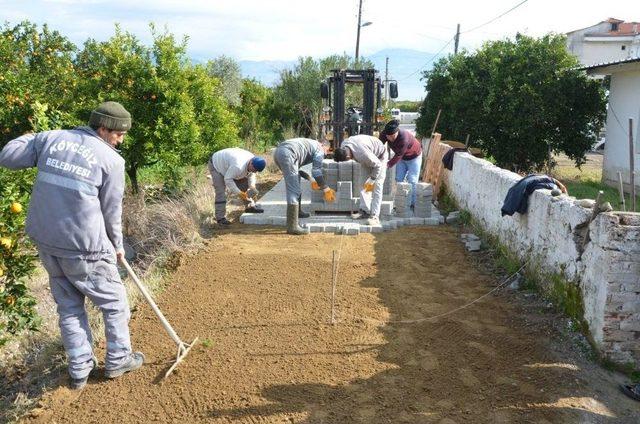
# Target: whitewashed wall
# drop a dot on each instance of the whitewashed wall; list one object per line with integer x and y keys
{"x": 552, "y": 233}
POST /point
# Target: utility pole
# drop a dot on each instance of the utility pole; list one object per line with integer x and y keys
{"x": 358, "y": 36}
{"x": 386, "y": 83}
{"x": 455, "y": 48}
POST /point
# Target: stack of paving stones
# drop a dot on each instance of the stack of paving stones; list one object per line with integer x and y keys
{"x": 424, "y": 200}
{"x": 347, "y": 179}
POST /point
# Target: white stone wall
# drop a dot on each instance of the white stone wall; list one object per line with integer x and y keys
{"x": 552, "y": 234}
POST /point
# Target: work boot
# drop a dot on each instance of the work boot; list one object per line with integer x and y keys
{"x": 360, "y": 215}
{"x": 254, "y": 209}
{"x": 136, "y": 359}
{"x": 79, "y": 383}
{"x": 224, "y": 222}
{"x": 301, "y": 213}
{"x": 292, "y": 221}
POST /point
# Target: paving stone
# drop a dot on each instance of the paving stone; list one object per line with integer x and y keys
{"x": 431, "y": 221}
{"x": 280, "y": 221}
{"x": 415, "y": 221}
{"x": 474, "y": 245}
{"x": 256, "y": 219}
{"x": 316, "y": 228}
{"x": 377, "y": 228}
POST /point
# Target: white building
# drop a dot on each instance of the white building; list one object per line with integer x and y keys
{"x": 624, "y": 103}
{"x": 609, "y": 41}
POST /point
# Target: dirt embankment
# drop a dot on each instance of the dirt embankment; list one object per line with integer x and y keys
{"x": 260, "y": 302}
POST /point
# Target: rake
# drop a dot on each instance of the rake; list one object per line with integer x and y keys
{"x": 183, "y": 348}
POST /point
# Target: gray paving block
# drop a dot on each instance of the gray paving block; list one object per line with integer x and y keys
{"x": 279, "y": 221}
{"x": 431, "y": 221}
{"x": 316, "y": 228}
{"x": 256, "y": 219}
{"x": 416, "y": 221}
{"x": 377, "y": 228}
{"x": 365, "y": 228}
{"x": 474, "y": 245}
{"x": 389, "y": 225}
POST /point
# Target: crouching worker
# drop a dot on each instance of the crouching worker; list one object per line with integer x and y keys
{"x": 372, "y": 155}
{"x": 75, "y": 220}
{"x": 234, "y": 169}
{"x": 290, "y": 155}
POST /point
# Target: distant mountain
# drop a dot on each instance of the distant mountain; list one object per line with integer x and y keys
{"x": 405, "y": 65}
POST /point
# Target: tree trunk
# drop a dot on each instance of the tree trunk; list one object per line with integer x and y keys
{"x": 132, "y": 172}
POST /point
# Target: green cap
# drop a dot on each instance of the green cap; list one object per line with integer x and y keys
{"x": 112, "y": 116}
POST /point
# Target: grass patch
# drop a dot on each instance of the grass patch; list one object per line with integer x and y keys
{"x": 588, "y": 189}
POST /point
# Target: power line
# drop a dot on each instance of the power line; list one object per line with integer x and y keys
{"x": 428, "y": 62}
{"x": 497, "y": 17}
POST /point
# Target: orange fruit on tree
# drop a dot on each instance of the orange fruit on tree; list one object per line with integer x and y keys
{"x": 16, "y": 207}
{"x": 5, "y": 242}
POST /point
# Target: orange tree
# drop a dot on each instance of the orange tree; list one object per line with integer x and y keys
{"x": 179, "y": 114}
{"x": 36, "y": 83}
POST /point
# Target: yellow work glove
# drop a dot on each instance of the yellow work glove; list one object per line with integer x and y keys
{"x": 244, "y": 196}
{"x": 314, "y": 185}
{"x": 368, "y": 185}
{"x": 329, "y": 195}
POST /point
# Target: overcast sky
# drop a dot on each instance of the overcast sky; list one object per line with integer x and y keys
{"x": 286, "y": 29}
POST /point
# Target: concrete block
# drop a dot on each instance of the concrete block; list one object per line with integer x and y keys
{"x": 473, "y": 246}
{"x": 316, "y": 228}
{"x": 377, "y": 228}
{"x": 256, "y": 219}
{"x": 415, "y": 221}
{"x": 431, "y": 221}
{"x": 279, "y": 221}
{"x": 365, "y": 228}
{"x": 389, "y": 225}
{"x": 441, "y": 219}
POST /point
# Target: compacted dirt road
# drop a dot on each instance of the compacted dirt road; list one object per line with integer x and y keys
{"x": 260, "y": 302}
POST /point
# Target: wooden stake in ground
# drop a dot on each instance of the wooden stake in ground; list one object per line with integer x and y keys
{"x": 622, "y": 202}
{"x": 425, "y": 155}
{"x": 632, "y": 171}
{"x": 333, "y": 289}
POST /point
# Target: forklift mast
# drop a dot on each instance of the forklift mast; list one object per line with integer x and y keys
{"x": 335, "y": 122}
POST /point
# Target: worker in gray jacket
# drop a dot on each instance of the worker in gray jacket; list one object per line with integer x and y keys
{"x": 75, "y": 220}
{"x": 290, "y": 155}
{"x": 234, "y": 169}
{"x": 371, "y": 154}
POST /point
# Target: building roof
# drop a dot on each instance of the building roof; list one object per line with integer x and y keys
{"x": 624, "y": 29}
{"x": 600, "y": 68}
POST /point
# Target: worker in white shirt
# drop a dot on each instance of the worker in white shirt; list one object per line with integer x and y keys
{"x": 234, "y": 169}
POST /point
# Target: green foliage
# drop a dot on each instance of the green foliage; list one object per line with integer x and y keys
{"x": 17, "y": 256}
{"x": 520, "y": 100}
{"x": 297, "y": 96}
{"x": 36, "y": 76}
{"x": 259, "y": 125}
{"x": 407, "y": 106}
{"x": 180, "y": 116}
{"x": 228, "y": 72}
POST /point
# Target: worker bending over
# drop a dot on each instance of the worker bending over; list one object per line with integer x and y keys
{"x": 290, "y": 155}
{"x": 234, "y": 169}
{"x": 372, "y": 155}
{"x": 75, "y": 220}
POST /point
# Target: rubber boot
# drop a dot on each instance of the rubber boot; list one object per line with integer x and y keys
{"x": 301, "y": 213}
{"x": 292, "y": 221}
